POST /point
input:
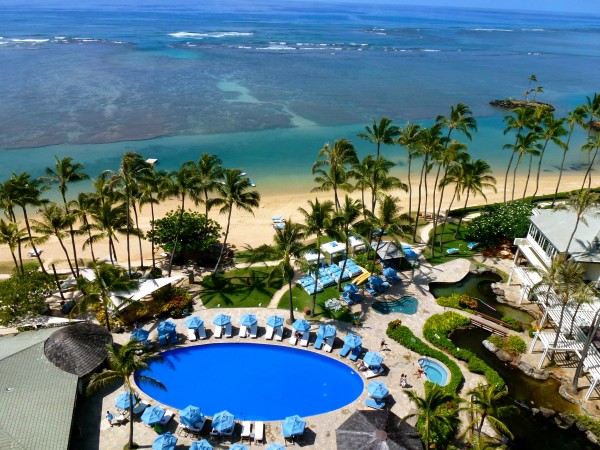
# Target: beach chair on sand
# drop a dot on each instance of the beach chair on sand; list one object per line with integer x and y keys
{"x": 356, "y": 351}
{"x": 293, "y": 339}
{"x": 243, "y": 331}
{"x": 201, "y": 332}
{"x": 305, "y": 338}
{"x": 269, "y": 332}
{"x": 371, "y": 403}
{"x": 228, "y": 330}
{"x": 218, "y": 331}
{"x": 328, "y": 344}
{"x": 345, "y": 350}
{"x": 192, "y": 334}
{"x": 253, "y": 331}
{"x": 279, "y": 334}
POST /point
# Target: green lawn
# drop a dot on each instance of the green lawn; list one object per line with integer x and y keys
{"x": 302, "y": 300}
{"x": 449, "y": 241}
{"x": 239, "y": 288}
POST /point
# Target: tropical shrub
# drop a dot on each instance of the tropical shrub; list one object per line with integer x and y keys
{"x": 334, "y": 305}
{"x": 466, "y": 302}
{"x": 458, "y": 301}
{"x": 499, "y": 222}
{"x": 22, "y": 295}
{"x": 515, "y": 345}
{"x": 514, "y": 323}
{"x": 498, "y": 341}
{"x": 362, "y": 260}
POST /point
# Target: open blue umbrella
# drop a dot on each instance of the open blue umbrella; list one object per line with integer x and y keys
{"x": 166, "y": 327}
{"x": 194, "y": 322}
{"x": 238, "y": 447}
{"x": 378, "y": 390}
{"x": 301, "y": 325}
{"x": 124, "y": 400}
{"x": 201, "y": 445}
{"x": 276, "y": 447}
{"x": 373, "y": 359}
{"x": 164, "y": 442}
{"x": 351, "y": 288}
{"x": 389, "y": 272}
{"x": 352, "y": 340}
{"x": 275, "y": 321}
{"x": 327, "y": 331}
{"x": 221, "y": 320}
{"x": 152, "y": 415}
{"x": 293, "y": 426}
{"x": 223, "y": 421}
{"x": 139, "y": 335}
{"x": 375, "y": 281}
{"x": 248, "y": 320}
{"x": 190, "y": 415}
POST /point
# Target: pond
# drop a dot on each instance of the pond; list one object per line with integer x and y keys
{"x": 404, "y": 305}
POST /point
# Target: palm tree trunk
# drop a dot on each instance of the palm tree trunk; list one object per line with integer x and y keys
{"x": 20, "y": 253}
{"x": 426, "y": 190}
{"x": 419, "y": 202}
{"x": 588, "y": 171}
{"x": 105, "y": 306}
{"x": 152, "y": 227}
{"x": 14, "y": 257}
{"x": 60, "y": 241}
{"x": 560, "y": 321}
{"x": 291, "y": 300}
{"x": 344, "y": 265}
{"x": 37, "y": 254}
{"x": 461, "y": 217}
{"x": 528, "y": 175}
{"x": 206, "y": 204}
{"x": 375, "y": 252}
{"x": 127, "y": 232}
{"x": 573, "y": 233}
{"x": 446, "y": 221}
{"x": 72, "y": 233}
{"x": 437, "y": 177}
{"x": 506, "y": 175}
{"x": 314, "y": 305}
{"x": 225, "y": 243}
{"x": 409, "y": 188}
{"x": 137, "y": 225}
{"x": 90, "y": 239}
{"x": 131, "y": 419}
{"x": 515, "y": 177}
{"x": 179, "y": 231}
{"x": 539, "y": 169}
{"x": 562, "y": 165}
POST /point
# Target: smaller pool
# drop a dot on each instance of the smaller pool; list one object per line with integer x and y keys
{"x": 435, "y": 371}
{"x": 404, "y": 305}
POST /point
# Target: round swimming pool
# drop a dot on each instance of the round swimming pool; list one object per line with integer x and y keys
{"x": 252, "y": 381}
{"x": 435, "y": 371}
{"x": 404, "y": 305}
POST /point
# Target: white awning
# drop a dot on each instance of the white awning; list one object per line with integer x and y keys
{"x": 333, "y": 248}
{"x": 144, "y": 289}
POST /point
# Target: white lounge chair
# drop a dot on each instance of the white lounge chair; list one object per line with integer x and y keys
{"x": 259, "y": 432}
{"x": 168, "y": 416}
{"x": 243, "y": 331}
{"x": 246, "y": 430}
{"x": 228, "y": 330}
{"x": 253, "y": 331}
{"x": 218, "y": 331}
{"x": 201, "y": 332}
{"x": 192, "y": 334}
{"x": 140, "y": 407}
{"x": 372, "y": 373}
{"x": 270, "y": 332}
{"x": 293, "y": 339}
{"x": 279, "y": 333}
{"x": 305, "y": 339}
{"x": 328, "y": 344}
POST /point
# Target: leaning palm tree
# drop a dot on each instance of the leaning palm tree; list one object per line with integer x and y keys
{"x": 108, "y": 220}
{"x": 552, "y": 130}
{"x": 64, "y": 173}
{"x": 454, "y": 176}
{"x": 476, "y": 178}
{"x": 331, "y": 169}
{"x": 433, "y": 410}
{"x": 525, "y": 144}
{"x": 234, "y": 193}
{"x": 408, "y": 138}
{"x": 460, "y": 119}
{"x": 317, "y": 221}
{"x": 380, "y": 133}
{"x": 592, "y": 145}
{"x": 580, "y": 202}
{"x": 209, "y": 173}
{"x": 13, "y": 236}
{"x": 342, "y": 223}
{"x": 487, "y": 404}
{"x": 381, "y": 181}
{"x": 584, "y": 294}
{"x": 523, "y": 118}
{"x": 123, "y": 362}
{"x": 81, "y": 208}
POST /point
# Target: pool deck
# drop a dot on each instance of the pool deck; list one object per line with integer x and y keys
{"x": 320, "y": 432}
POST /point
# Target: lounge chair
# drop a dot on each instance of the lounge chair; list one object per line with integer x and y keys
{"x": 345, "y": 350}
{"x": 269, "y": 333}
{"x": 140, "y": 407}
{"x": 305, "y": 339}
{"x": 452, "y": 251}
{"x": 173, "y": 338}
{"x": 279, "y": 333}
{"x": 259, "y": 432}
{"x": 168, "y": 416}
{"x": 371, "y": 403}
{"x": 372, "y": 373}
{"x": 370, "y": 290}
{"x": 196, "y": 430}
{"x": 246, "y": 431}
{"x": 192, "y": 334}
{"x": 346, "y": 297}
{"x": 243, "y": 331}
{"x": 472, "y": 245}
{"x": 162, "y": 339}
{"x": 218, "y": 331}
{"x": 328, "y": 345}
{"x": 201, "y": 332}
{"x": 228, "y": 330}
{"x": 356, "y": 351}
{"x": 293, "y": 338}
{"x": 253, "y": 331}
{"x": 319, "y": 341}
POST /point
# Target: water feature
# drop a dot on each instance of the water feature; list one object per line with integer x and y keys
{"x": 404, "y": 305}
{"x": 435, "y": 371}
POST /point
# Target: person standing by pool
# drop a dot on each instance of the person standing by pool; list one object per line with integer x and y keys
{"x": 383, "y": 346}
{"x": 419, "y": 371}
{"x": 110, "y": 418}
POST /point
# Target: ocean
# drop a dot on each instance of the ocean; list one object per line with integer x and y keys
{"x": 265, "y": 85}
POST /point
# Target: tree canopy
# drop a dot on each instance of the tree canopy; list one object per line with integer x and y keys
{"x": 22, "y": 295}
{"x": 500, "y": 221}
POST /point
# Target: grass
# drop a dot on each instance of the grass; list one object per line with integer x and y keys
{"x": 302, "y": 300}
{"x": 240, "y": 288}
{"x": 449, "y": 241}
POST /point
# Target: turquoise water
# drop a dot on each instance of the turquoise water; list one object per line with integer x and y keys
{"x": 404, "y": 305}
{"x": 434, "y": 371}
{"x": 253, "y": 381}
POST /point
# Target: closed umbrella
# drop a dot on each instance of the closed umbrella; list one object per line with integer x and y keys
{"x": 140, "y": 335}
{"x": 351, "y": 288}
{"x": 378, "y": 390}
{"x": 373, "y": 359}
{"x": 301, "y": 325}
{"x": 275, "y": 321}
{"x": 223, "y": 421}
{"x": 190, "y": 415}
{"x": 153, "y": 415}
{"x": 276, "y": 447}
{"x": 166, "y": 327}
{"x": 238, "y": 447}
{"x": 293, "y": 426}
{"x": 124, "y": 400}
{"x": 375, "y": 281}
{"x": 353, "y": 340}
{"x": 248, "y": 320}
{"x": 194, "y": 322}
{"x": 201, "y": 445}
{"x": 221, "y": 320}
{"x": 328, "y": 331}
{"x": 164, "y": 442}
{"x": 389, "y": 272}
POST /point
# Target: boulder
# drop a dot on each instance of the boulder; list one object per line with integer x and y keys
{"x": 503, "y": 355}
{"x": 591, "y": 437}
{"x": 526, "y": 368}
{"x": 547, "y": 412}
{"x": 491, "y": 347}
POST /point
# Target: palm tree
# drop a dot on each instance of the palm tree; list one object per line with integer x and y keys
{"x": 527, "y": 92}
{"x": 317, "y": 221}
{"x": 81, "y": 207}
{"x": 592, "y": 144}
{"x": 108, "y": 219}
{"x": 389, "y": 221}
{"x": 209, "y": 172}
{"x": 12, "y": 235}
{"x": 579, "y": 202}
{"x": 524, "y": 145}
{"x": 123, "y": 362}
{"x": 434, "y": 410}
{"x": 65, "y": 172}
{"x": 234, "y": 193}
{"x": 408, "y": 138}
{"x": 55, "y": 221}
{"x": 522, "y": 118}
{"x": 380, "y": 180}
{"x": 382, "y": 133}
{"x": 288, "y": 241}
{"x": 576, "y": 116}
{"x": 533, "y": 150}
{"x": 487, "y": 403}
{"x": 584, "y": 294}
{"x": 476, "y": 178}
{"x": 343, "y": 221}
{"x": 108, "y": 281}
{"x": 553, "y": 129}
{"x": 455, "y": 176}
{"x": 331, "y": 169}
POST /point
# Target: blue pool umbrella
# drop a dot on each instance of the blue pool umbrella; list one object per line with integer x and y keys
{"x": 139, "y": 335}
{"x": 248, "y": 320}
{"x": 164, "y": 442}
{"x": 201, "y": 445}
{"x": 124, "y": 400}
{"x": 152, "y": 415}
{"x": 238, "y": 447}
{"x": 373, "y": 359}
{"x": 352, "y": 340}
{"x": 194, "y": 322}
{"x": 222, "y": 319}
{"x": 190, "y": 415}
{"x": 293, "y": 426}
{"x": 223, "y": 421}
{"x": 376, "y": 281}
{"x": 301, "y": 325}
{"x": 275, "y": 321}
{"x": 166, "y": 327}
{"x": 276, "y": 447}
{"x": 378, "y": 390}
{"x": 389, "y": 272}
{"x": 327, "y": 331}
{"x": 351, "y": 288}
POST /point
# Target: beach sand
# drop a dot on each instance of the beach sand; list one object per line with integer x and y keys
{"x": 253, "y": 230}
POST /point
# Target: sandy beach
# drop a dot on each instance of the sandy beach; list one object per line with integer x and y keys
{"x": 254, "y": 230}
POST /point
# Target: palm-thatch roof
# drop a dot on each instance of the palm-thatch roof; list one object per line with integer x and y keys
{"x": 79, "y": 348}
{"x": 377, "y": 430}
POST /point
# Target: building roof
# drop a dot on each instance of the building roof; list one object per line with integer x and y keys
{"x": 557, "y": 226}
{"x": 387, "y": 250}
{"x": 79, "y": 348}
{"x": 36, "y": 398}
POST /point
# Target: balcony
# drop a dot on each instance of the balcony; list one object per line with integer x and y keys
{"x": 536, "y": 256}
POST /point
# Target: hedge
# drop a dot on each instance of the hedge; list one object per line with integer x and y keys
{"x": 436, "y": 330}
{"x": 405, "y": 337}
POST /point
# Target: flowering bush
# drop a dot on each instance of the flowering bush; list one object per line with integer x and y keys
{"x": 334, "y": 305}
{"x": 500, "y": 221}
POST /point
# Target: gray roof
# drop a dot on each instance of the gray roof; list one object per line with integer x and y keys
{"x": 79, "y": 348}
{"x": 558, "y": 224}
{"x": 36, "y": 398}
{"x": 387, "y": 250}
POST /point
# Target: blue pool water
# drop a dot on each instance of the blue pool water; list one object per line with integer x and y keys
{"x": 404, "y": 305}
{"x": 252, "y": 381}
{"x": 434, "y": 371}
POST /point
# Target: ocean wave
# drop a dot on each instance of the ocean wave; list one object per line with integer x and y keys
{"x": 535, "y": 30}
{"x": 214, "y": 34}
{"x": 276, "y": 47}
{"x": 503, "y": 30}
{"x": 30, "y": 40}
